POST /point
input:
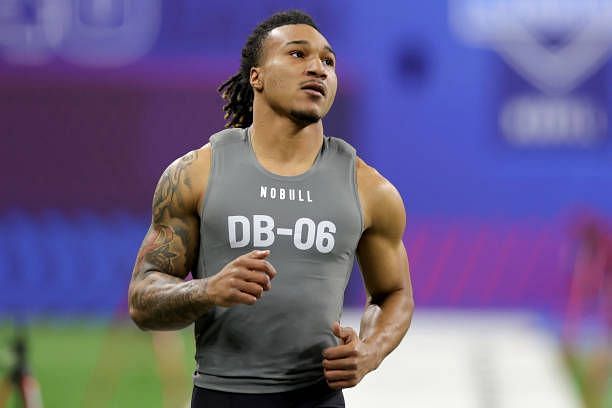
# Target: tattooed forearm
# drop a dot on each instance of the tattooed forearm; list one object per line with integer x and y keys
{"x": 163, "y": 302}
{"x": 159, "y": 298}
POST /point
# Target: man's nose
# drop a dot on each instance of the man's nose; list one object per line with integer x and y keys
{"x": 316, "y": 68}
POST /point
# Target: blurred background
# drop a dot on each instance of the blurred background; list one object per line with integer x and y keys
{"x": 492, "y": 118}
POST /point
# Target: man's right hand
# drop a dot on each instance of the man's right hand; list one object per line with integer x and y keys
{"x": 242, "y": 281}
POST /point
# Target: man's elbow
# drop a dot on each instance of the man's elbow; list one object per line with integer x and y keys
{"x": 409, "y": 308}
{"x": 406, "y": 305}
{"x": 139, "y": 318}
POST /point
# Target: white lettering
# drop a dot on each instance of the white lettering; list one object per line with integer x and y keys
{"x": 232, "y": 222}
{"x": 263, "y": 235}
{"x": 283, "y": 193}
{"x": 325, "y": 238}
{"x": 306, "y": 233}
{"x": 530, "y": 121}
{"x": 284, "y": 231}
{"x": 310, "y": 233}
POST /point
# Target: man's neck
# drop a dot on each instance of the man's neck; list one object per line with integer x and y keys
{"x": 280, "y": 140}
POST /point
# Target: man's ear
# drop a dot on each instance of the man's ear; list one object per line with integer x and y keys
{"x": 256, "y": 78}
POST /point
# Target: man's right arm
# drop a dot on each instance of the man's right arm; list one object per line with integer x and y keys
{"x": 159, "y": 297}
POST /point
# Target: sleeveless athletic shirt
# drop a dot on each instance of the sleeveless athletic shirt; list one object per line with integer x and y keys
{"x": 311, "y": 223}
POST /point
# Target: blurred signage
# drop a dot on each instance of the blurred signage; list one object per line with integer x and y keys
{"x": 555, "y": 94}
{"x": 84, "y": 32}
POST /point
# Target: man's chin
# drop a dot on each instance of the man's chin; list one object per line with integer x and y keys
{"x": 305, "y": 117}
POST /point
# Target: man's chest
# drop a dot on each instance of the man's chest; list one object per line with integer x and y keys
{"x": 295, "y": 217}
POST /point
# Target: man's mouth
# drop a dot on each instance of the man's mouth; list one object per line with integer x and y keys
{"x": 315, "y": 88}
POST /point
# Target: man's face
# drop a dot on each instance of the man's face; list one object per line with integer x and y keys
{"x": 297, "y": 75}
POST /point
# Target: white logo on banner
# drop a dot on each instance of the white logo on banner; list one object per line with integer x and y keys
{"x": 517, "y": 30}
{"x": 85, "y": 32}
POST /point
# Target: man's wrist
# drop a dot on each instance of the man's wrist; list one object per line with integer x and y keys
{"x": 202, "y": 298}
{"x": 374, "y": 352}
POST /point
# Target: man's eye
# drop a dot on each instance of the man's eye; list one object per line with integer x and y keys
{"x": 328, "y": 61}
{"x": 297, "y": 53}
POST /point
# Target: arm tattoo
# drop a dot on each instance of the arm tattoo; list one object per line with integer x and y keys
{"x": 168, "y": 198}
{"x": 170, "y": 202}
{"x": 158, "y": 293}
{"x": 159, "y": 253}
{"x": 167, "y": 302}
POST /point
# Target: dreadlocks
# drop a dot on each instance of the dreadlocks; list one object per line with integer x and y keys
{"x": 237, "y": 90}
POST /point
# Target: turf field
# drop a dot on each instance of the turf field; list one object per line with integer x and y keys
{"x": 85, "y": 364}
{"x": 101, "y": 365}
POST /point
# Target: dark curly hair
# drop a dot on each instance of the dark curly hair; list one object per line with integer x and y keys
{"x": 237, "y": 90}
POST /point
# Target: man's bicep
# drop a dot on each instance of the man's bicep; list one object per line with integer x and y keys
{"x": 383, "y": 264}
{"x": 381, "y": 252}
{"x": 171, "y": 243}
{"x": 169, "y": 248}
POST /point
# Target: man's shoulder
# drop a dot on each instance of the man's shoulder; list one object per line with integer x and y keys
{"x": 342, "y": 146}
{"x": 192, "y": 161}
{"x": 227, "y": 136}
{"x": 200, "y": 158}
{"x": 186, "y": 177}
{"x": 381, "y": 200}
{"x": 369, "y": 178}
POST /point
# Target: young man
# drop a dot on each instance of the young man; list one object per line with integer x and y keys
{"x": 268, "y": 217}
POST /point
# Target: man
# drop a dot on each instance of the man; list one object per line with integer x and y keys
{"x": 268, "y": 216}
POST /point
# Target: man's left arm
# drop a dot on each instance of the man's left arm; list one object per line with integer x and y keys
{"x": 384, "y": 265}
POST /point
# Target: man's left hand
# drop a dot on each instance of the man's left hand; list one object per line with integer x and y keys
{"x": 345, "y": 365}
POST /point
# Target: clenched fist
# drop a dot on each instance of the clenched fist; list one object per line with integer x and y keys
{"x": 241, "y": 281}
{"x": 345, "y": 365}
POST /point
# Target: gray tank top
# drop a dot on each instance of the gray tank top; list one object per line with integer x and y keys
{"x": 311, "y": 223}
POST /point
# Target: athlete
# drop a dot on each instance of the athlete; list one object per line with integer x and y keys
{"x": 268, "y": 216}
